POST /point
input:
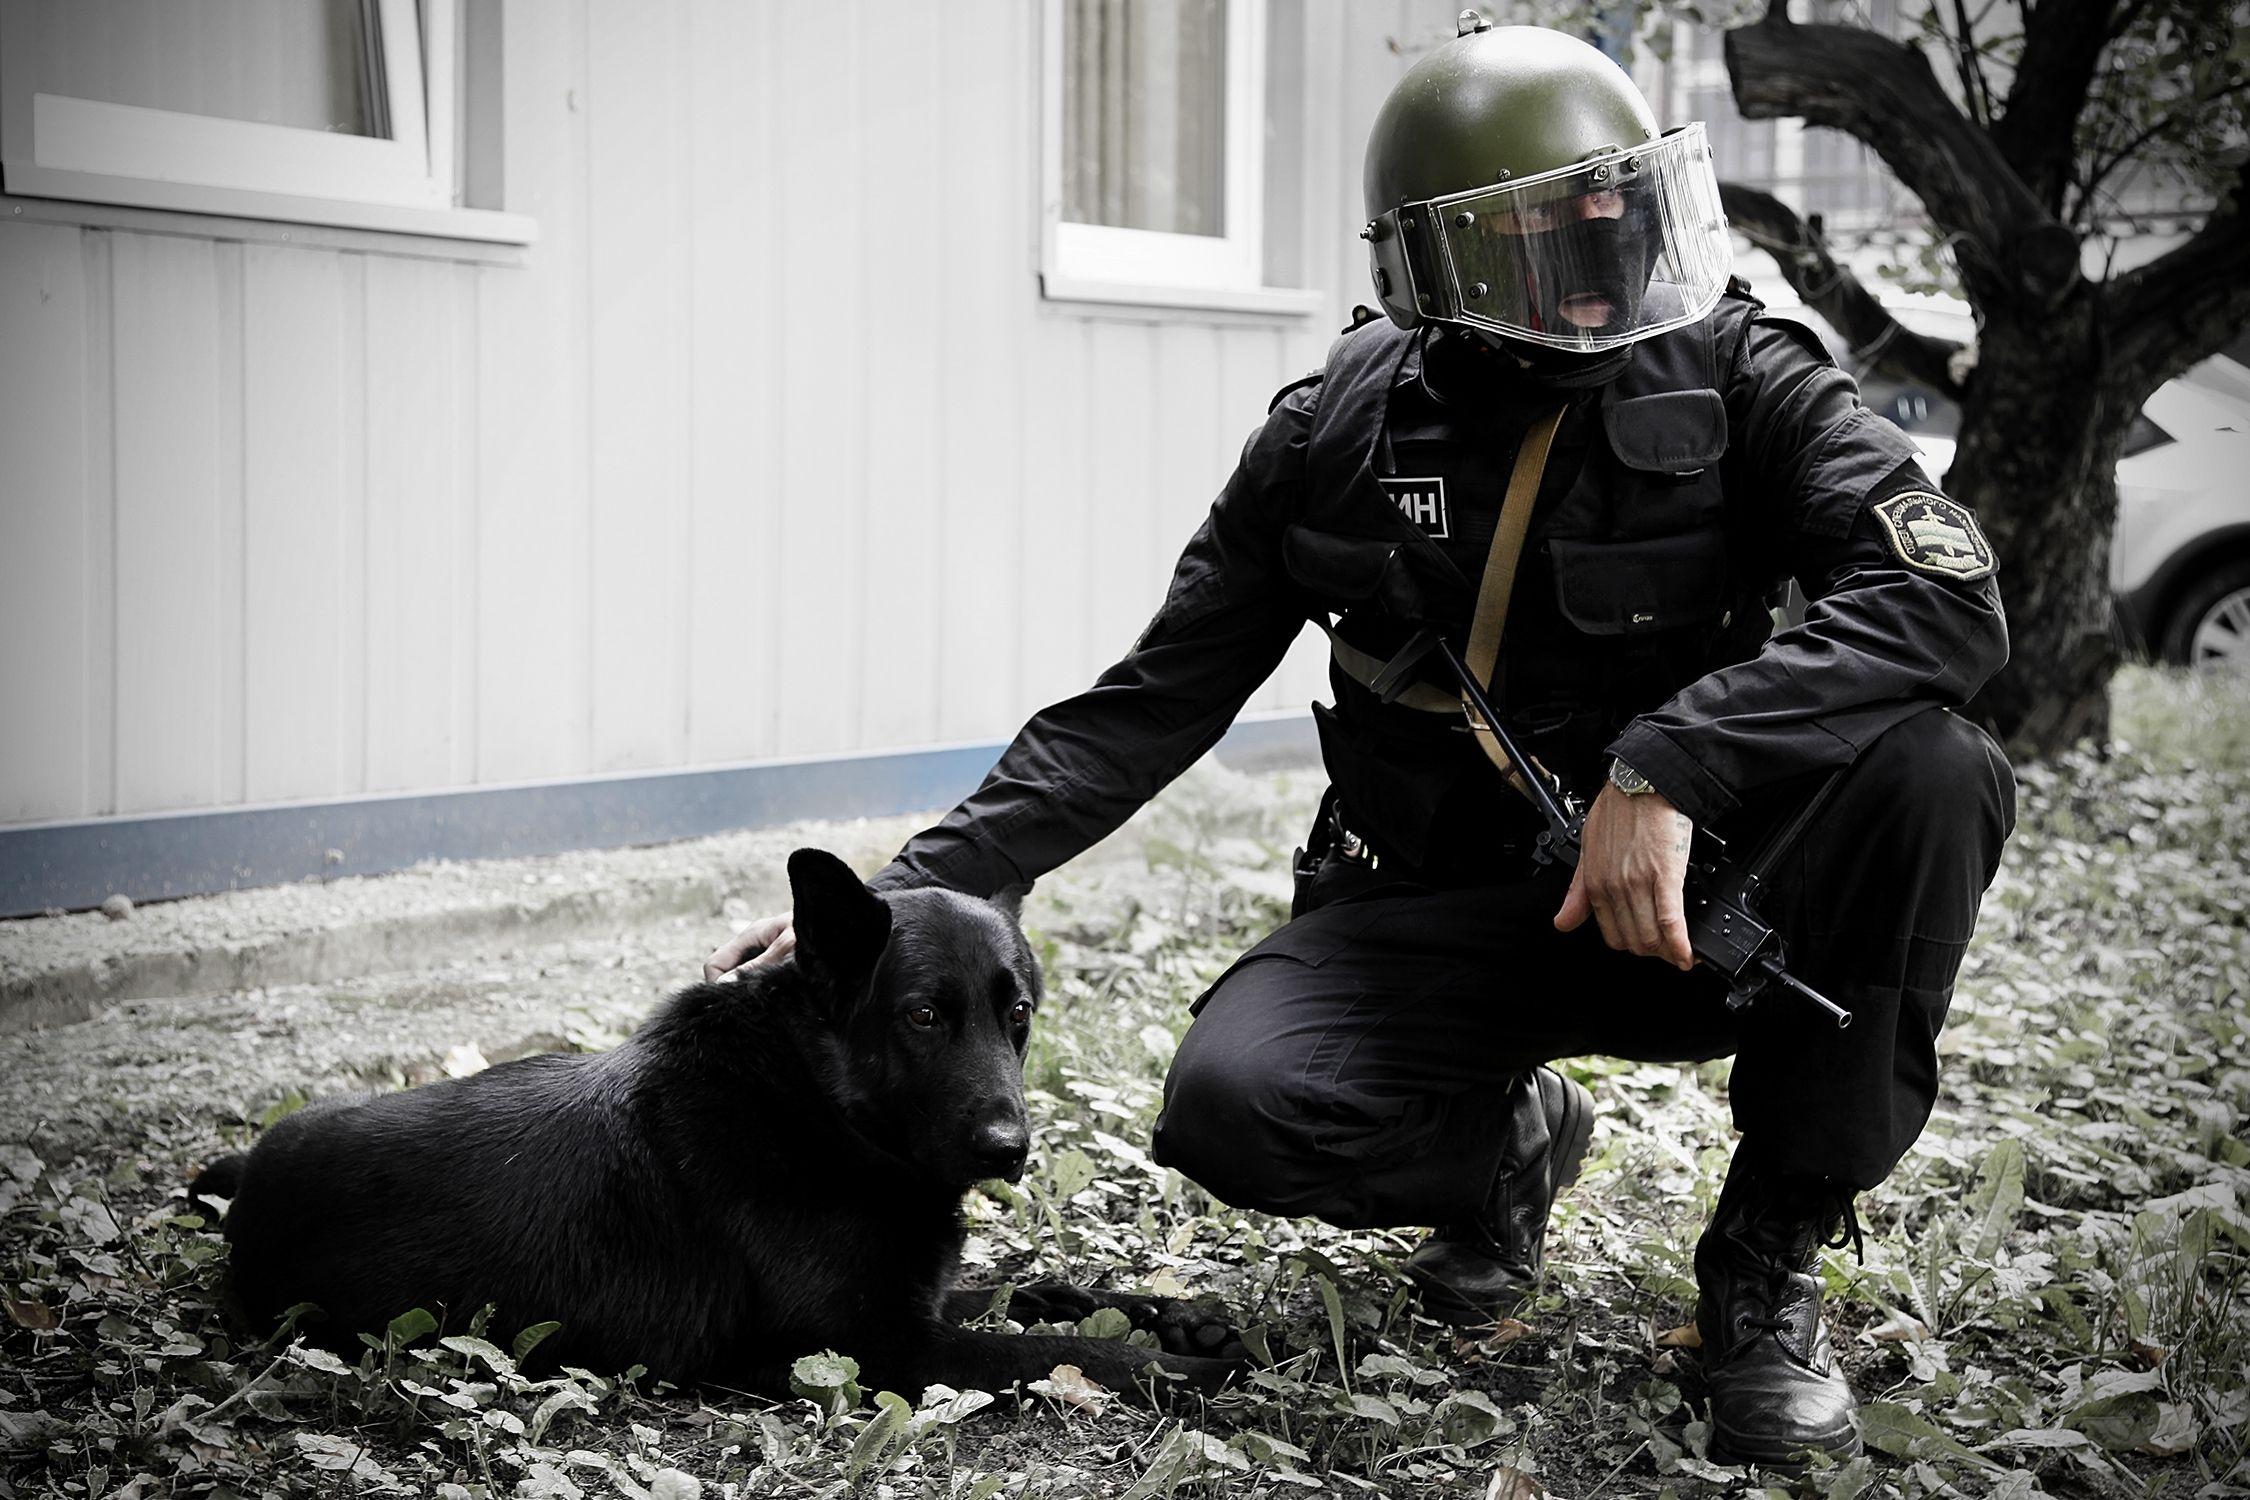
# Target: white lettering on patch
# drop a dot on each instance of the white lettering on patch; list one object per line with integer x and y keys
{"x": 1422, "y": 502}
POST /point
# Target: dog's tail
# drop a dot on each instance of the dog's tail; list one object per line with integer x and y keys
{"x": 219, "y": 1179}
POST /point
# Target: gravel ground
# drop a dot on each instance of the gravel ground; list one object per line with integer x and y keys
{"x": 377, "y": 981}
{"x": 65, "y": 968}
{"x": 2049, "y": 1300}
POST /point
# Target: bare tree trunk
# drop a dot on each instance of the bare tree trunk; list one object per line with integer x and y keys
{"x": 2040, "y": 435}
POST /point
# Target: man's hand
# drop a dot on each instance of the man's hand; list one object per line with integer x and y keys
{"x": 1632, "y": 868}
{"x": 768, "y": 940}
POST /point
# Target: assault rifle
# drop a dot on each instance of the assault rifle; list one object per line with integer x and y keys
{"x": 1725, "y": 931}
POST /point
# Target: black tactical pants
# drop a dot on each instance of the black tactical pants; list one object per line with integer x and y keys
{"x": 1346, "y": 1067}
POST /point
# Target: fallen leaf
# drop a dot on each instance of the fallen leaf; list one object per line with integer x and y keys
{"x": 464, "y": 1060}
{"x": 1900, "y": 1328}
{"x": 36, "y": 1316}
{"x": 1491, "y": 1338}
{"x": 2175, "y": 1432}
{"x": 1686, "y": 1336}
{"x": 1069, "y": 1385}
{"x": 2150, "y": 1355}
{"x": 1513, "y": 1484}
{"x": 344, "y": 1455}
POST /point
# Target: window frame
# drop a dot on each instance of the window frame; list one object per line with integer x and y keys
{"x": 1105, "y": 263}
{"x": 96, "y": 151}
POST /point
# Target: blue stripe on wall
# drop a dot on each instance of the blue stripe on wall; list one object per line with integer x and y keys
{"x": 80, "y": 864}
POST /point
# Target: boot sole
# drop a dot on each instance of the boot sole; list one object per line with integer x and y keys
{"x": 1735, "y": 1450}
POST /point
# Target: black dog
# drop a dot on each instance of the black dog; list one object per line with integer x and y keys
{"x": 764, "y": 1170}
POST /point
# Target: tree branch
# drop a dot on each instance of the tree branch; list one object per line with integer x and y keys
{"x": 1836, "y": 293}
{"x": 2185, "y": 305}
{"x": 2062, "y": 46}
{"x": 1975, "y": 91}
{"x": 2102, "y": 163}
{"x": 1884, "y": 93}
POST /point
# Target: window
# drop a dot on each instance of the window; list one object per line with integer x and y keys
{"x": 1813, "y": 170}
{"x": 315, "y": 111}
{"x": 1155, "y": 154}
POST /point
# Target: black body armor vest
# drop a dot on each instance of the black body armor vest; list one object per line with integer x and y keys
{"x": 1637, "y": 578}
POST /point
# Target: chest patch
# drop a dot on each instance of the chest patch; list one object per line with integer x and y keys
{"x": 1422, "y": 501}
{"x": 1933, "y": 535}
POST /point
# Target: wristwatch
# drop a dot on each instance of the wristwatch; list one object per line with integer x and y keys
{"x": 1627, "y": 780}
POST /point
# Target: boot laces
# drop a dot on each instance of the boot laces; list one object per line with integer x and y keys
{"x": 1848, "y": 1230}
{"x": 1839, "y": 1227}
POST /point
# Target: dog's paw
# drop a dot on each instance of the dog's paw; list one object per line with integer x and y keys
{"x": 1191, "y": 1377}
{"x": 1199, "y": 1330}
{"x": 1054, "y": 1302}
{"x": 1195, "y": 1330}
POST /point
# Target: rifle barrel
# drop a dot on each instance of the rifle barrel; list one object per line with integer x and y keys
{"x": 1775, "y": 971}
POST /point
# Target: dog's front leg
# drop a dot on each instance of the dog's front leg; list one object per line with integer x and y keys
{"x": 974, "y": 1359}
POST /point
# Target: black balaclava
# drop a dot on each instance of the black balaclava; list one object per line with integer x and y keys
{"x": 1616, "y": 259}
{"x": 1613, "y": 259}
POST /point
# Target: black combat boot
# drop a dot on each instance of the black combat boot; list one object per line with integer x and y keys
{"x": 1471, "y": 1273}
{"x": 1775, "y": 1388}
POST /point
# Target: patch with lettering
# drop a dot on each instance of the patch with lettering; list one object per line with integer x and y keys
{"x": 1933, "y": 535}
{"x": 1422, "y": 501}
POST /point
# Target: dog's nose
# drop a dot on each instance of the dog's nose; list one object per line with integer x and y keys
{"x": 1000, "y": 1147}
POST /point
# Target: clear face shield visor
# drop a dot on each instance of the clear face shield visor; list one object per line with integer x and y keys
{"x": 1590, "y": 257}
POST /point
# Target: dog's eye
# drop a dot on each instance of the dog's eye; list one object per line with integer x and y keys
{"x": 924, "y": 1016}
{"x": 1021, "y": 1013}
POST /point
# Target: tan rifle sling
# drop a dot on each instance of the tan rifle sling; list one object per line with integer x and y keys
{"x": 1483, "y": 655}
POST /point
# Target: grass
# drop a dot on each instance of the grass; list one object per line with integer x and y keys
{"x": 2053, "y": 1299}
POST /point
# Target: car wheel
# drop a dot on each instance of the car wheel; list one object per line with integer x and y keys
{"x": 2210, "y": 625}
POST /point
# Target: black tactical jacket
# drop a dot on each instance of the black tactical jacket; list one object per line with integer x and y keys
{"x": 1726, "y": 458}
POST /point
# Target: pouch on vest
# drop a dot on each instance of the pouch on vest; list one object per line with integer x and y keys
{"x": 1341, "y": 571}
{"x": 1679, "y": 433}
{"x": 1644, "y": 587}
{"x": 1668, "y": 448}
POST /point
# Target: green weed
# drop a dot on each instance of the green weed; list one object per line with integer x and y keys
{"x": 2052, "y": 1300}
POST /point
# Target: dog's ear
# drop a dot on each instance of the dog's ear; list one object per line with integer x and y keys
{"x": 841, "y": 924}
{"x": 1009, "y": 898}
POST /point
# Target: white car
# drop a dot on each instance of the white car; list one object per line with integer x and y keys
{"x": 2179, "y": 562}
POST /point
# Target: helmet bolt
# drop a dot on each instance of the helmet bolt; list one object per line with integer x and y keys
{"x": 1601, "y": 174}
{"x": 1463, "y": 219}
{"x": 1477, "y": 289}
{"x": 1632, "y": 164}
{"x": 1423, "y": 302}
{"x": 1470, "y": 21}
{"x": 1367, "y": 231}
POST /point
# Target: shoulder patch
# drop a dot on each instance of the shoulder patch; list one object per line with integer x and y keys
{"x": 1934, "y": 535}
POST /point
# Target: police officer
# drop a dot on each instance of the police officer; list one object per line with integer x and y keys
{"x": 1561, "y": 324}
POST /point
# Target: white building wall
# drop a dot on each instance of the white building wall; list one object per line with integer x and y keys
{"x": 768, "y": 447}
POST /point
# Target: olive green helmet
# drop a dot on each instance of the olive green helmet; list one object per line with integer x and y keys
{"x": 1517, "y": 183}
